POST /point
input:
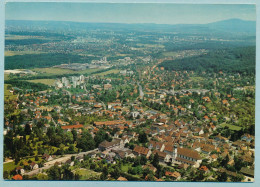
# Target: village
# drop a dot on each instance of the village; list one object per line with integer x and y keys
{"x": 160, "y": 134}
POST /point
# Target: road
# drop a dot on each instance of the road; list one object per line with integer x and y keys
{"x": 62, "y": 159}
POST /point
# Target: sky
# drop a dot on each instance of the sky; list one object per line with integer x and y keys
{"x": 128, "y": 13}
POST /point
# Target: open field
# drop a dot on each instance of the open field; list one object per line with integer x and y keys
{"x": 107, "y": 72}
{"x": 6, "y": 76}
{"x": 22, "y": 37}
{"x": 60, "y": 71}
{"x": 7, "y": 94}
{"x": 49, "y": 82}
{"x": 231, "y": 127}
{"x": 86, "y": 174}
{"x": 9, "y": 166}
{"x": 13, "y": 53}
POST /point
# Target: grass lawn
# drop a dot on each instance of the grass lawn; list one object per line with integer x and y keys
{"x": 7, "y": 94}
{"x": 9, "y": 166}
{"x": 60, "y": 71}
{"x": 231, "y": 127}
{"x": 125, "y": 167}
{"x": 49, "y": 82}
{"x": 86, "y": 174}
{"x": 107, "y": 72}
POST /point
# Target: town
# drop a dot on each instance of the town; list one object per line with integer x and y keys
{"x": 141, "y": 116}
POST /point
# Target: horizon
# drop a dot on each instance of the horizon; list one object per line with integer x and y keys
{"x": 129, "y": 13}
{"x": 136, "y": 23}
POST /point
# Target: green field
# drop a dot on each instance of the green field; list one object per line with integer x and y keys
{"x": 60, "y": 71}
{"x": 22, "y": 37}
{"x": 49, "y": 82}
{"x": 6, "y": 76}
{"x": 231, "y": 127}
{"x": 197, "y": 79}
{"x": 86, "y": 174}
{"x": 107, "y": 72}
{"x": 13, "y": 53}
{"x": 7, "y": 94}
{"x": 9, "y": 166}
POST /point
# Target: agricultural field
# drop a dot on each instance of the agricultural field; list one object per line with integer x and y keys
{"x": 13, "y": 53}
{"x": 49, "y": 82}
{"x": 60, "y": 71}
{"x": 107, "y": 72}
{"x": 22, "y": 37}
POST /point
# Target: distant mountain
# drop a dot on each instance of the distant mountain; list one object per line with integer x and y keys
{"x": 226, "y": 26}
{"x": 234, "y": 25}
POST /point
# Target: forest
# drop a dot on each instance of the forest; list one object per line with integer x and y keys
{"x": 42, "y": 60}
{"x": 232, "y": 60}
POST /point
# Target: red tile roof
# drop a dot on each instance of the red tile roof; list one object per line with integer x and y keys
{"x": 72, "y": 127}
{"x": 17, "y": 177}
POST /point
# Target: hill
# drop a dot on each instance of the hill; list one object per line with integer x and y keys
{"x": 236, "y": 60}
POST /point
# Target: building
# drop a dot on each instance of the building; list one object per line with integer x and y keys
{"x": 139, "y": 150}
{"x": 188, "y": 156}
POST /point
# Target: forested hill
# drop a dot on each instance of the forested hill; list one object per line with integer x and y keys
{"x": 237, "y": 60}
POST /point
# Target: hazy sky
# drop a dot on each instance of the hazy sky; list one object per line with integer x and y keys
{"x": 128, "y": 13}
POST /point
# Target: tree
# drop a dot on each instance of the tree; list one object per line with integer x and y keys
{"x": 54, "y": 173}
{"x": 116, "y": 173}
{"x": 222, "y": 177}
{"x": 155, "y": 161}
{"x": 150, "y": 177}
{"x": 104, "y": 173}
{"x": 142, "y": 137}
{"x": 86, "y": 142}
{"x": 36, "y": 158}
{"x": 27, "y": 129}
{"x": 143, "y": 160}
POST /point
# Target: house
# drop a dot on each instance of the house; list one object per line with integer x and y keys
{"x": 105, "y": 145}
{"x": 70, "y": 127}
{"x": 247, "y": 138}
{"x": 156, "y": 145}
{"x": 188, "y": 156}
{"x": 139, "y": 150}
{"x": 207, "y": 148}
{"x": 163, "y": 157}
{"x": 249, "y": 173}
{"x": 17, "y": 177}
{"x": 176, "y": 175}
{"x": 47, "y": 157}
{"x": 19, "y": 170}
{"x": 150, "y": 167}
{"x": 33, "y": 166}
{"x": 204, "y": 168}
{"x": 122, "y": 179}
